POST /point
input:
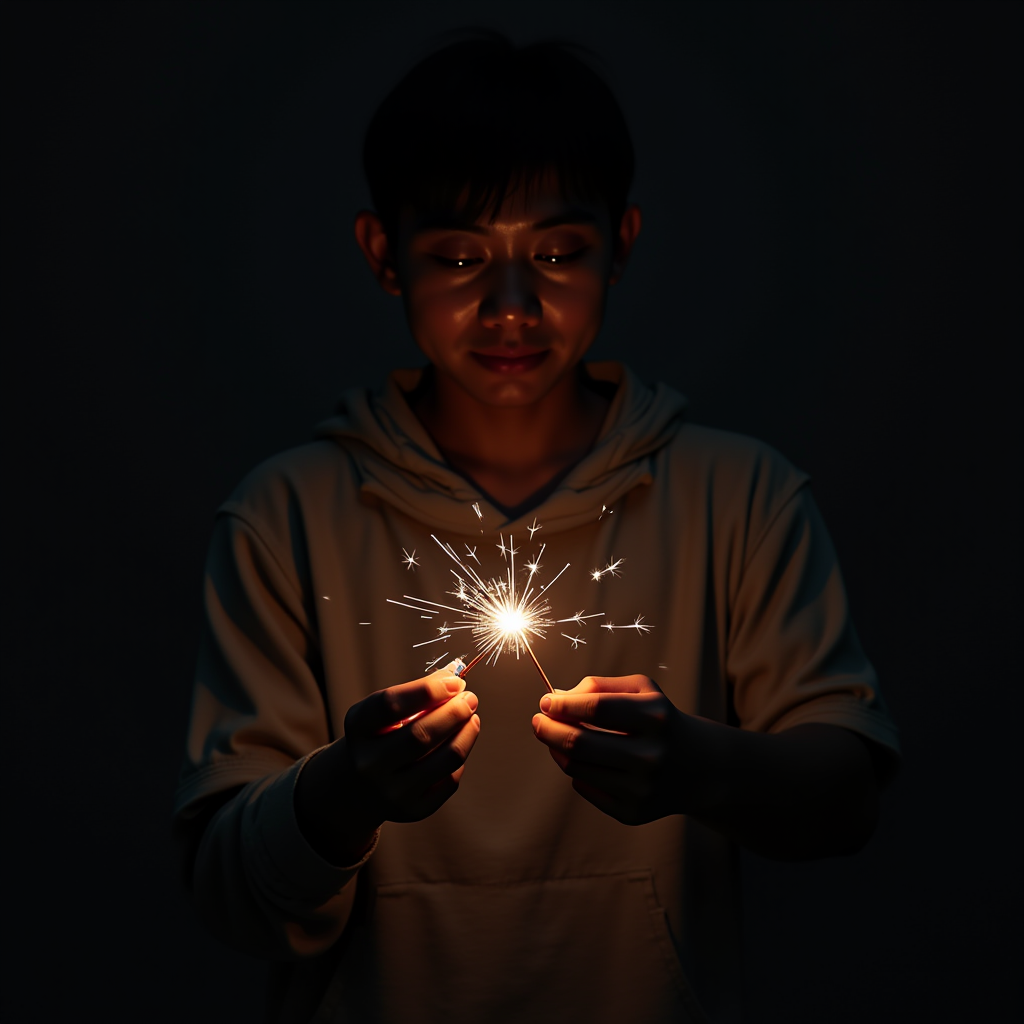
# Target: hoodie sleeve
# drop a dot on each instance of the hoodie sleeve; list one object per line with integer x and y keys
{"x": 793, "y": 654}
{"x": 257, "y": 716}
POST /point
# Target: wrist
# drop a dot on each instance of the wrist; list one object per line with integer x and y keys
{"x": 331, "y": 818}
{"x": 702, "y": 772}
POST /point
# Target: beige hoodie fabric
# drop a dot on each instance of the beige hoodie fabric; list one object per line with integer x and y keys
{"x": 517, "y": 899}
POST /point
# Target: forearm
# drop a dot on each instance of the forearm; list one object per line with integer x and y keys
{"x": 801, "y": 794}
{"x": 257, "y": 883}
{"x": 337, "y": 826}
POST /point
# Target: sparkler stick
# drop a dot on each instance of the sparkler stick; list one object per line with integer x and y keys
{"x": 543, "y": 675}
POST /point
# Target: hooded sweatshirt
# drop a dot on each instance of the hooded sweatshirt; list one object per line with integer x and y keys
{"x": 517, "y": 899}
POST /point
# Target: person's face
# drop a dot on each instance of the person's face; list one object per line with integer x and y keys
{"x": 507, "y": 310}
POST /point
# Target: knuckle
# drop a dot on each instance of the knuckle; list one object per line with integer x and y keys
{"x": 659, "y": 710}
{"x": 392, "y": 703}
{"x": 570, "y": 741}
{"x": 420, "y": 733}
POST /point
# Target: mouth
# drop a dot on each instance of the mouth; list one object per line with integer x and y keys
{"x": 512, "y": 364}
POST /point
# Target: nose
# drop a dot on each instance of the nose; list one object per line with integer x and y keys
{"x": 510, "y": 304}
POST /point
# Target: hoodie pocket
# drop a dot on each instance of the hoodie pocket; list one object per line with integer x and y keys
{"x": 595, "y": 949}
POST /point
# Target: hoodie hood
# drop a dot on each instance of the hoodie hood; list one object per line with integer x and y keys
{"x": 399, "y": 464}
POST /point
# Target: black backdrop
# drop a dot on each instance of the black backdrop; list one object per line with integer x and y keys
{"x": 830, "y": 261}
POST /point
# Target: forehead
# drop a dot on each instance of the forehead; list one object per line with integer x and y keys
{"x": 539, "y": 206}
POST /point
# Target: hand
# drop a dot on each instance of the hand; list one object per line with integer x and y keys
{"x": 408, "y": 745}
{"x": 402, "y": 755}
{"x": 620, "y": 740}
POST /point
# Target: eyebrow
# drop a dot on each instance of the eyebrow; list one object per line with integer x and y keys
{"x": 447, "y": 221}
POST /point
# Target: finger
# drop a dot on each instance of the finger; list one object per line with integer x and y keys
{"x": 397, "y": 750}
{"x": 426, "y": 803}
{"x": 628, "y": 788}
{"x": 639, "y": 754}
{"x": 446, "y": 761}
{"x": 395, "y": 703}
{"x": 619, "y": 712}
{"x": 615, "y": 684}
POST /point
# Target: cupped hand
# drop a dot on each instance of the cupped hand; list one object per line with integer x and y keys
{"x": 408, "y": 744}
{"x": 401, "y": 757}
{"x": 621, "y": 741}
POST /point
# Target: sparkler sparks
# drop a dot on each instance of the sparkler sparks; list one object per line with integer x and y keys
{"x": 502, "y": 614}
{"x": 500, "y": 618}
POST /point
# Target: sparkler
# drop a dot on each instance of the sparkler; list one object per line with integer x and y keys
{"x": 501, "y": 615}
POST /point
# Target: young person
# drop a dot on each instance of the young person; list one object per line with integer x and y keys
{"x": 343, "y": 813}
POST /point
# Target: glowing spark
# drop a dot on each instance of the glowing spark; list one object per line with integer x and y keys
{"x": 579, "y": 618}
{"x": 638, "y": 624}
{"x": 479, "y": 514}
{"x": 431, "y": 664}
{"x": 410, "y": 561}
{"x": 471, "y": 553}
{"x": 605, "y": 508}
{"x": 534, "y": 528}
{"x": 611, "y": 569}
{"x": 404, "y": 605}
{"x": 365, "y": 623}
{"x": 576, "y": 641}
{"x": 506, "y": 552}
{"x": 325, "y": 597}
{"x": 552, "y": 583}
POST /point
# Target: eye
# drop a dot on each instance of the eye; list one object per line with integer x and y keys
{"x": 458, "y": 264}
{"x": 557, "y": 261}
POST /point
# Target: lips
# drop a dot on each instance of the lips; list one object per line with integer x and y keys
{"x": 511, "y": 364}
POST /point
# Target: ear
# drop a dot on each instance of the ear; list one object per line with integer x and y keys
{"x": 622, "y": 245}
{"x": 373, "y": 240}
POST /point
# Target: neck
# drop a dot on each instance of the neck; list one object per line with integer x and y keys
{"x": 515, "y": 455}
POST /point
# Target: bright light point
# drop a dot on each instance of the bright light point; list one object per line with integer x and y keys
{"x": 596, "y": 575}
{"x": 511, "y": 621}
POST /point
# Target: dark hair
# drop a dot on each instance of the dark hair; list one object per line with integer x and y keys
{"x": 488, "y": 117}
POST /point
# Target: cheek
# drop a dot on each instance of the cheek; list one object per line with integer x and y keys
{"x": 442, "y": 313}
{"x": 575, "y": 304}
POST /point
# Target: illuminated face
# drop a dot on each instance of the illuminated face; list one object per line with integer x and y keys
{"x": 506, "y": 311}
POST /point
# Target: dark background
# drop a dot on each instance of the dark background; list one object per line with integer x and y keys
{"x": 830, "y": 261}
